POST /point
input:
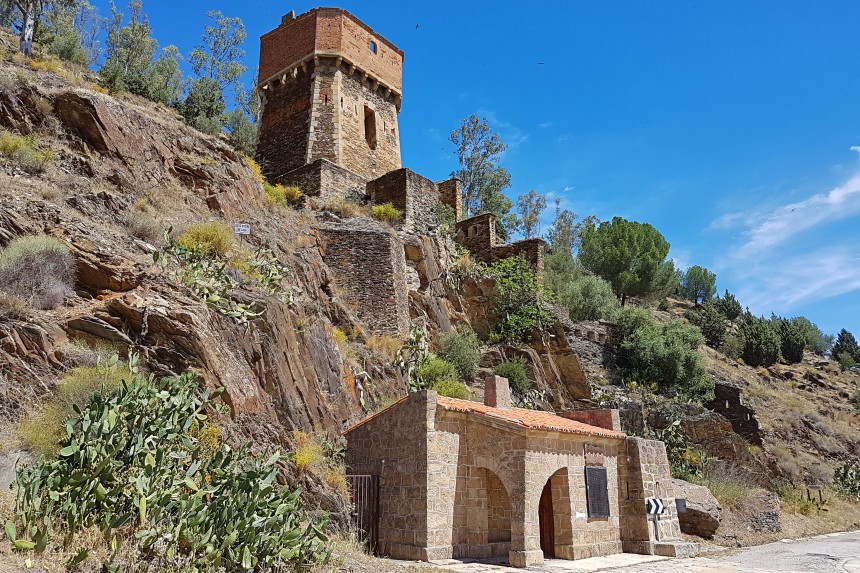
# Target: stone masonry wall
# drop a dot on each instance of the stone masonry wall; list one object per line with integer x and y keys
{"x": 283, "y": 140}
{"x": 369, "y": 265}
{"x": 416, "y": 196}
{"x": 478, "y": 235}
{"x": 451, "y": 194}
{"x": 646, "y": 467}
{"x": 393, "y": 445}
{"x": 325, "y": 179}
{"x": 353, "y": 94}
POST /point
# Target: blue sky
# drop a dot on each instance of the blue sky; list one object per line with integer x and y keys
{"x": 733, "y": 127}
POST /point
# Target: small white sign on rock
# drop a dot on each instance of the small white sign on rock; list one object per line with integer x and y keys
{"x": 242, "y": 229}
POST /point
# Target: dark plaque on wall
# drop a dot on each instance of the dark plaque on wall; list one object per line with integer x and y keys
{"x": 597, "y": 492}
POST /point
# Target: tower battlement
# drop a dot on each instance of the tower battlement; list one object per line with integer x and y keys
{"x": 332, "y": 89}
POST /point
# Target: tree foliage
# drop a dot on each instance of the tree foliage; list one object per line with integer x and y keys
{"x": 698, "y": 284}
{"x": 484, "y": 181}
{"x": 585, "y": 296}
{"x": 711, "y": 322}
{"x": 70, "y": 31}
{"x": 518, "y": 300}
{"x": 729, "y": 306}
{"x": 816, "y": 340}
{"x": 130, "y": 49}
{"x": 761, "y": 341}
{"x": 663, "y": 354}
{"x": 630, "y": 255}
{"x": 530, "y": 206}
{"x": 792, "y": 339}
{"x": 846, "y": 344}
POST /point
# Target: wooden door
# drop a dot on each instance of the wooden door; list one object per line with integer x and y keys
{"x": 546, "y": 522}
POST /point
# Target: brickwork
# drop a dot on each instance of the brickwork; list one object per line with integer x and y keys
{"x": 478, "y": 235}
{"x": 371, "y": 269}
{"x": 451, "y": 194}
{"x": 326, "y": 31}
{"x": 610, "y": 419}
{"x": 413, "y": 194}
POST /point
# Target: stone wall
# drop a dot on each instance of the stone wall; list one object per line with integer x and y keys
{"x": 416, "y": 196}
{"x": 369, "y": 265}
{"x": 478, "y": 235}
{"x": 728, "y": 401}
{"x": 393, "y": 445}
{"x": 604, "y": 418}
{"x": 284, "y": 126}
{"x": 643, "y": 474}
{"x": 325, "y": 179}
{"x": 451, "y": 194}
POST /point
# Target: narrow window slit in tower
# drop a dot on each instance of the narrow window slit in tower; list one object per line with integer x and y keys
{"x": 370, "y": 127}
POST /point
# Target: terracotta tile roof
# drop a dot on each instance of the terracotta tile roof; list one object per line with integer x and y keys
{"x": 533, "y": 419}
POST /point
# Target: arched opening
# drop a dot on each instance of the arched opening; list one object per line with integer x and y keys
{"x": 482, "y": 515}
{"x": 554, "y": 515}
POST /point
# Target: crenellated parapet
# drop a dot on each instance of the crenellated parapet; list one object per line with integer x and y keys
{"x": 478, "y": 235}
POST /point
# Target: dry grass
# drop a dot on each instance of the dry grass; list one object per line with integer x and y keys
{"x": 214, "y": 238}
{"x": 13, "y": 307}
{"x": 386, "y": 213}
{"x": 48, "y": 64}
{"x": 339, "y": 206}
{"x": 309, "y": 454}
{"x": 385, "y": 347}
{"x": 281, "y": 195}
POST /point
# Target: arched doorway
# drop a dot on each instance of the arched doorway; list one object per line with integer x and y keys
{"x": 482, "y": 515}
{"x": 546, "y": 521}
{"x": 554, "y": 515}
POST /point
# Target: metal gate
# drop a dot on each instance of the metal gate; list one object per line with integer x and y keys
{"x": 364, "y": 490}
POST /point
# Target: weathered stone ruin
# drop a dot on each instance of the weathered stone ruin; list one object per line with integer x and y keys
{"x": 332, "y": 90}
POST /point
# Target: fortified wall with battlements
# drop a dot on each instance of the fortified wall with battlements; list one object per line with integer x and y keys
{"x": 332, "y": 90}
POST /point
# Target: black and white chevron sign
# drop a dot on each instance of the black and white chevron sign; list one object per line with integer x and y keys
{"x": 654, "y": 505}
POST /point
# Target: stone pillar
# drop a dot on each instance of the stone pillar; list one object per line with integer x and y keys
{"x": 497, "y": 392}
{"x": 451, "y": 194}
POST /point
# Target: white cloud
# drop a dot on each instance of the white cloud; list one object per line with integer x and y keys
{"x": 781, "y": 283}
{"x": 790, "y": 220}
{"x": 568, "y": 188}
{"x": 855, "y": 148}
{"x": 545, "y": 124}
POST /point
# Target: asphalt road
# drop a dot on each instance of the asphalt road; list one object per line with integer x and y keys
{"x": 835, "y": 552}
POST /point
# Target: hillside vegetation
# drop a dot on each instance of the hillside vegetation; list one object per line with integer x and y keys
{"x": 167, "y": 387}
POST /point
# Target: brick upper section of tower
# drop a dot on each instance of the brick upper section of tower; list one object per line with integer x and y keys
{"x": 330, "y": 31}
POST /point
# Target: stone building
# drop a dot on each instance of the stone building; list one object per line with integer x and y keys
{"x": 461, "y": 479}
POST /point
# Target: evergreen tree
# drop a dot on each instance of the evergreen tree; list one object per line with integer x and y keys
{"x": 792, "y": 339}
{"x": 698, "y": 284}
{"x": 729, "y": 306}
{"x": 130, "y": 49}
{"x": 846, "y": 344}
{"x": 711, "y": 322}
{"x": 761, "y": 342}
{"x": 630, "y": 255}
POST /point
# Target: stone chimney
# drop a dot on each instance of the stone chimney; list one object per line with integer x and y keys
{"x": 497, "y": 392}
{"x": 288, "y": 17}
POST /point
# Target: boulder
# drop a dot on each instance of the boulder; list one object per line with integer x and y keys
{"x": 703, "y": 513}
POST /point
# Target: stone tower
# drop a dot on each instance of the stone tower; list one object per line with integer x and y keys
{"x": 331, "y": 90}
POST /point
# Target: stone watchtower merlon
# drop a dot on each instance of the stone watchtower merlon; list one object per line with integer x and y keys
{"x": 332, "y": 89}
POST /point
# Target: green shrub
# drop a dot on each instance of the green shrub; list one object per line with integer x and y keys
{"x": 24, "y": 151}
{"x": 665, "y": 354}
{"x": 518, "y": 300}
{"x": 855, "y": 398}
{"x": 844, "y": 360}
{"x": 135, "y": 467}
{"x": 386, "y": 212}
{"x": 461, "y": 350}
{"x": 43, "y": 429}
{"x": 847, "y": 478}
{"x": 732, "y": 346}
{"x": 433, "y": 370}
{"x": 38, "y": 269}
{"x": 452, "y": 389}
{"x": 281, "y": 195}
{"x": 792, "y": 340}
{"x": 516, "y": 373}
{"x": 211, "y": 239}
{"x": 446, "y": 217}
{"x": 587, "y": 297}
